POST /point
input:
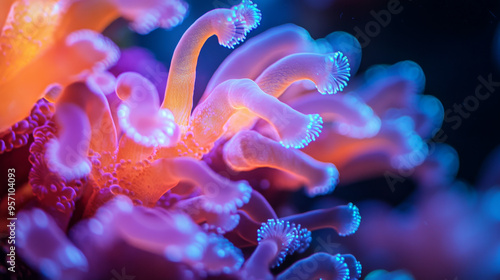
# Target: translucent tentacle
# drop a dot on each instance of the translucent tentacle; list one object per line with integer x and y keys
{"x": 144, "y": 16}
{"x": 220, "y": 194}
{"x": 269, "y": 47}
{"x": 329, "y": 72}
{"x": 207, "y": 123}
{"x": 221, "y": 256}
{"x": 348, "y": 45}
{"x": 346, "y": 114}
{"x": 67, "y": 155}
{"x": 353, "y": 265}
{"x": 327, "y": 267}
{"x": 43, "y": 245}
{"x": 276, "y": 240}
{"x": 55, "y": 194}
{"x": 258, "y": 208}
{"x": 103, "y": 136}
{"x": 248, "y": 150}
{"x": 393, "y": 86}
{"x": 120, "y": 228}
{"x": 230, "y": 28}
{"x": 396, "y": 146}
{"x": 146, "y": 126}
{"x": 211, "y": 221}
{"x": 344, "y": 219}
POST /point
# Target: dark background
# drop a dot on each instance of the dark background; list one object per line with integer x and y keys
{"x": 452, "y": 40}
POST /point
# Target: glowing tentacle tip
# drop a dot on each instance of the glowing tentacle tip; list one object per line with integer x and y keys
{"x": 248, "y": 13}
{"x": 162, "y": 131}
{"x": 80, "y": 168}
{"x": 230, "y": 196}
{"x": 326, "y": 267}
{"x": 284, "y": 233}
{"x": 354, "y": 266}
{"x": 221, "y": 222}
{"x": 233, "y": 33}
{"x": 304, "y": 237}
{"x": 352, "y": 219}
{"x": 92, "y": 46}
{"x": 146, "y": 16}
{"x": 338, "y": 75}
{"x": 327, "y": 185}
{"x": 221, "y": 256}
{"x": 140, "y": 117}
{"x": 297, "y": 138}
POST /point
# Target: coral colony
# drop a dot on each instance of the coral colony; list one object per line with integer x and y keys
{"x": 128, "y": 180}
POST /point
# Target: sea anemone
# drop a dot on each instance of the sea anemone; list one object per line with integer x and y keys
{"x": 125, "y": 177}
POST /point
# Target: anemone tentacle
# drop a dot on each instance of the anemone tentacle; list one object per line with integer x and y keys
{"x": 344, "y": 219}
{"x": 329, "y": 72}
{"x": 248, "y": 150}
{"x": 230, "y": 28}
{"x": 348, "y": 114}
{"x": 269, "y": 47}
{"x": 328, "y": 267}
{"x": 209, "y": 117}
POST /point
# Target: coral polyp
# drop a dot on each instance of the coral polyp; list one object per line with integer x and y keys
{"x": 128, "y": 172}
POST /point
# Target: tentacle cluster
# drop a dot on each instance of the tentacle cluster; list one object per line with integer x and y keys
{"x": 161, "y": 182}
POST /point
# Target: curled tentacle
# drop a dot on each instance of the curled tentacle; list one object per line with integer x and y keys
{"x": 393, "y": 86}
{"x": 103, "y": 137}
{"x": 396, "y": 146}
{"x": 221, "y": 256}
{"x": 43, "y": 245}
{"x": 209, "y": 117}
{"x": 103, "y": 82}
{"x": 248, "y": 13}
{"x": 145, "y": 125}
{"x": 67, "y": 155}
{"x": 220, "y": 194}
{"x": 144, "y": 16}
{"x": 344, "y": 219}
{"x": 258, "y": 208}
{"x": 248, "y": 150}
{"x": 354, "y": 266}
{"x": 210, "y": 221}
{"x": 120, "y": 232}
{"x": 276, "y": 239}
{"x": 348, "y": 45}
{"x": 329, "y": 72}
{"x": 345, "y": 114}
{"x": 56, "y": 195}
{"x": 269, "y": 47}
{"x": 327, "y": 267}
{"x": 230, "y": 28}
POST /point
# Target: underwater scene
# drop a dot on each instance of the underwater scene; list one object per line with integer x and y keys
{"x": 250, "y": 139}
